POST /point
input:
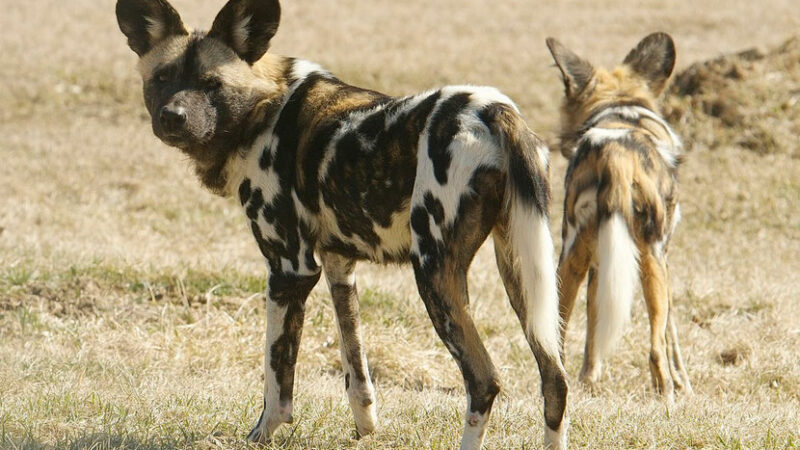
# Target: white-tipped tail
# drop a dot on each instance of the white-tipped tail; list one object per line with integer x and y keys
{"x": 533, "y": 247}
{"x": 617, "y": 273}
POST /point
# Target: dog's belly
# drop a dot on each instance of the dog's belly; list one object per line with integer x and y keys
{"x": 359, "y": 237}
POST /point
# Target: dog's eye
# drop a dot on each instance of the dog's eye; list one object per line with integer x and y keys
{"x": 212, "y": 84}
{"x": 163, "y": 77}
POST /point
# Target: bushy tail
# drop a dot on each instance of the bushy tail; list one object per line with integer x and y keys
{"x": 617, "y": 275}
{"x": 527, "y": 201}
{"x": 616, "y": 253}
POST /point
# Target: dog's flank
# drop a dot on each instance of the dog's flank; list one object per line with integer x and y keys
{"x": 621, "y": 201}
{"x": 330, "y": 171}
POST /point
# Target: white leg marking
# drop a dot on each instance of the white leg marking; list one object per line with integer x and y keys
{"x": 274, "y": 413}
{"x": 474, "y": 429}
{"x": 556, "y": 439}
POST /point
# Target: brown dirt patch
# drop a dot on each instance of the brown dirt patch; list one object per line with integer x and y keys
{"x": 749, "y": 99}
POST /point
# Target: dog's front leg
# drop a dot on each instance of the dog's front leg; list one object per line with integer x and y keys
{"x": 286, "y": 299}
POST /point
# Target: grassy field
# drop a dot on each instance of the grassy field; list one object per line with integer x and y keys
{"x": 131, "y": 301}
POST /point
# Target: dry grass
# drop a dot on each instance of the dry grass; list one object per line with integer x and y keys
{"x": 131, "y": 312}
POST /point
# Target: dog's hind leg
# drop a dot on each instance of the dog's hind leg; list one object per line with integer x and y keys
{"x": 444, "y": 292}
{"x": 572, "y": 267}
{"x": 339, "y": 272}
{"x": 592, "y": 361}
{"x": 545, "y": 350}
{"x": 656, "y": 294}
{"x": 442, "y": 251}
{"x": 676, "y": 366}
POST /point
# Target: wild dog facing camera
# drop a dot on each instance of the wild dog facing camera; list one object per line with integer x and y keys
{"x": 199, "y": 87}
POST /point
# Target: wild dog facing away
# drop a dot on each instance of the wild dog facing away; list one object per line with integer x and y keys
{"x": 328, "y": 170}
{"x": 621, "y": 203}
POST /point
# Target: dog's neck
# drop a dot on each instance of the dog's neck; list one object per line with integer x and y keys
{"x": 637, "y": 114}
{"x": 218, "y": 174}
{"x": 305, "y": 92}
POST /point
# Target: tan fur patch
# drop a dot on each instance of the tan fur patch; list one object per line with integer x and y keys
{"x": 167, "y": 51}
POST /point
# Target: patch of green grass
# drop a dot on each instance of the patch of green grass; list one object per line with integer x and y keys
{"x": 189, "y": 283}
{"x": 17, "y": 275}
{"x": 385, "y": 308}
{"x": 28, "y": 320}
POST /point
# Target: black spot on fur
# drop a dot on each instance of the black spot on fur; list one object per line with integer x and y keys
{"x": 645, "y": 217}
{"x": 584, "y": 149}
{"x": 444, "y": 126}
{"x": 333, "y": 244}
{"x": 603, "y": 185}
{"x": 255, "y": 204}
{"x": 373, "y": 125}
{"x": 312, "y": 159}
{"x": 245, "y": 191}
{"x": 434, "y": 207}
{"x": 430, "y": 249}
{"x": 266, "y": 247}
{"x": 265, "y": 161}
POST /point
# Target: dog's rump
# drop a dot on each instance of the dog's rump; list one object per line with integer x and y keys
{"x": 620, "y": 169}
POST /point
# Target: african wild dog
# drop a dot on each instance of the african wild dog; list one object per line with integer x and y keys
{"x": 621, "y": 203}
{"x": 324, "y": 169}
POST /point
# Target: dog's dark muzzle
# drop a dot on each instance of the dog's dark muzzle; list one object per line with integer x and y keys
{"x": 172, "y": 119}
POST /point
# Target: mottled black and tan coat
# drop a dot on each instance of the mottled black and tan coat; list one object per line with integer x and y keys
{"x": 621, "y": 203}
{"x": 329, "y": 174}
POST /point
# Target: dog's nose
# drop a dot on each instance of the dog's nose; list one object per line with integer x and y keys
{"x": 172, "y": 117}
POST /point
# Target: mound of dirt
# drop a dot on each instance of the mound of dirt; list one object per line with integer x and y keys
{"x": 749, "y": 99}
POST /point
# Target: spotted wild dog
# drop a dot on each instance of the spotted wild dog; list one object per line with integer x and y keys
{"x": 621, "y": 204}
{"x": 331, "y": 171}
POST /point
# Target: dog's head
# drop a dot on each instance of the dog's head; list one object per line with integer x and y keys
{"x": 639, "y": 80}
{"x": 200, "y": 87}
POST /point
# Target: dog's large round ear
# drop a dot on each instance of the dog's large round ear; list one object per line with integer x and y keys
{"x": 147, "y": 22}
{"x": 247, "y": 26}
{"x": 653, "y": 59}
{"x": 575, "y": 71}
